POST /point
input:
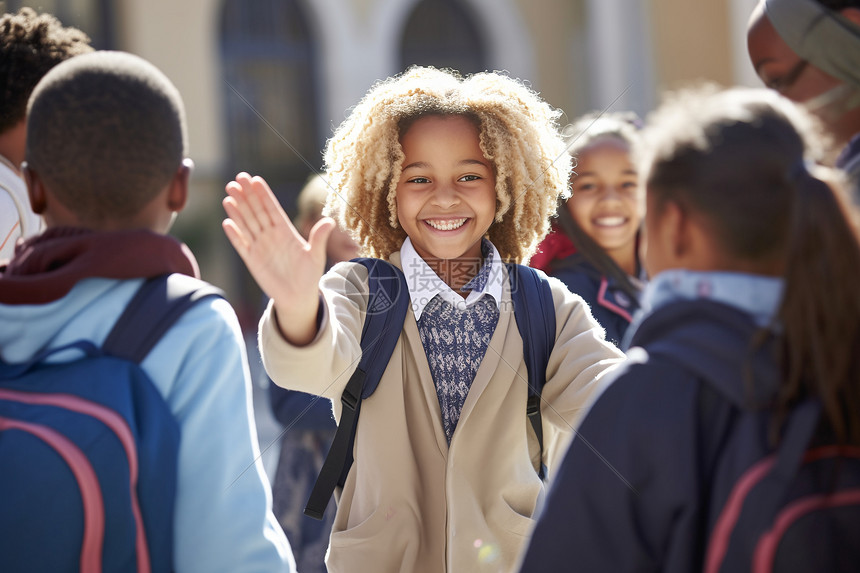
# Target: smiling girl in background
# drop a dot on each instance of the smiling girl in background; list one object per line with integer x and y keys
{"x": 594, "y": 247}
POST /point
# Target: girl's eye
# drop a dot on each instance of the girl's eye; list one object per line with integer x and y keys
{"x": 630, "y": 185}
{"x": 418, "y": 180}
{"x": 470, "y": 178}
{"x": 585, "y": 187}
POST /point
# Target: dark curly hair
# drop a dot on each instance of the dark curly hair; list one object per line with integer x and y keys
{"x": 30, "y": 45}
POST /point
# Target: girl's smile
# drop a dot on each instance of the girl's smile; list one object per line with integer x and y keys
{"x": 610, "y": 222}
{"x": 446, "y": 225}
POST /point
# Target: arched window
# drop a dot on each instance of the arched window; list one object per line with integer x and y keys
{"x": 269, "y": 73}
{"x": 95, "y": 17}
{"x": 445, "y": 34}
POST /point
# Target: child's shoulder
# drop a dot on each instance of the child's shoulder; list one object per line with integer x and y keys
{"x": 578, "y": 275}
{"x": 348, "y": 279}
{"x": 352, "y": 271}
{"x": 563, "y": 296}
{"x": 555, "y": 246}
{"x": 201, "y": 310}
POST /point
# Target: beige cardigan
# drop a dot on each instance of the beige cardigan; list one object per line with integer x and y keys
{"x": 410, "y": 502}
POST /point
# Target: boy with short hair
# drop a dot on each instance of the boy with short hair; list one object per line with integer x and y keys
{"x": 30, "y": 45}
{"x": 106, "y": 143}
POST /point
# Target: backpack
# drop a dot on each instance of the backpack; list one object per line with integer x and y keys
{"x": 796, "y": 509}
{"x": 388, "y": 302}
{"x": 88, "y": 448}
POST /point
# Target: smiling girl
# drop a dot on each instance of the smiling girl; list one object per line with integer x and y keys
{"x": 594, "y": 249}
{"x": 446, "y": 178}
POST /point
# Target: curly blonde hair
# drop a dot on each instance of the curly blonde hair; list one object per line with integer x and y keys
{"x": 519, "y": 135}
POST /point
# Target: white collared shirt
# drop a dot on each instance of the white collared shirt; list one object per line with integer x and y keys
{"x": 424, "y": 283}
{"x": 16, "y": 217}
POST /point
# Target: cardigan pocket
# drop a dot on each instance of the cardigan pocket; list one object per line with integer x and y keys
{"x": 503, "y": 516}
{"x": 510, "y": 531}
{"x": 382, "y": 542}
{"x": 368, "y": 528}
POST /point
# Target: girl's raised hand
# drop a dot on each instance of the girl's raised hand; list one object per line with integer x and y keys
{"x": 286, "y": 266}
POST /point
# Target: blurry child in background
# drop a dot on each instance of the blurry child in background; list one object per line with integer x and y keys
{"x": 744, "y": 366}
{"x": 307, "y": 419}
{"x": 594, "y": 246}
{"x": 30, "y": 45}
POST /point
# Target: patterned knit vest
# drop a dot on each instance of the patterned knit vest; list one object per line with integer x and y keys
{"x": 455, "y": 341}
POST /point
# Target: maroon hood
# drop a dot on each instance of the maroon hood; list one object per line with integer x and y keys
{"x": 46, "y": 267}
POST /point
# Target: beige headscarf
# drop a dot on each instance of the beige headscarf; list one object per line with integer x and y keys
{"x": 824, "y": 38}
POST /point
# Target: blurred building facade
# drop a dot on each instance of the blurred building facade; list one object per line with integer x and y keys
{"x": 265, "y": 81}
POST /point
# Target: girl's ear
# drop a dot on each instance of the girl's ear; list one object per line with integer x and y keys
{"x": 663, "y": 240}
{"x": 675, "y": 229}
{"x": 686, "y": 243}
{"x": 696, "y": 248}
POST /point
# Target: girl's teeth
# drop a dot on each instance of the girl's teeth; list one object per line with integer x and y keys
{"x": 610, "y": 221}
{"x": 448, "y": 225}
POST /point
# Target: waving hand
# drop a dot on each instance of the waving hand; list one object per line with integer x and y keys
{"x": 285, "y": 265}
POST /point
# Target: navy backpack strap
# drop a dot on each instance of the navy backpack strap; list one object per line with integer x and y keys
{"x": 534, "y": 311}
{"x": 157, "y": 304}
{"x": 387, "y": 304}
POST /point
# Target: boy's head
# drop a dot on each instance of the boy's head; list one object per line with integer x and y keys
{"x": 30, "y": 45}
{"x": 106, "y": 139}
{"x": 518, "y": 133}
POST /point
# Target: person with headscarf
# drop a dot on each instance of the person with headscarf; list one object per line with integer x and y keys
{"x": 809, "y": 51}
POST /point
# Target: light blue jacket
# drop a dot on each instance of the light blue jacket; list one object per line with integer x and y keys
{"x": 223, "y": 516}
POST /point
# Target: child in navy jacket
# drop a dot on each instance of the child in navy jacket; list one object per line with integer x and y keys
{"x": 753, "y": 318}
